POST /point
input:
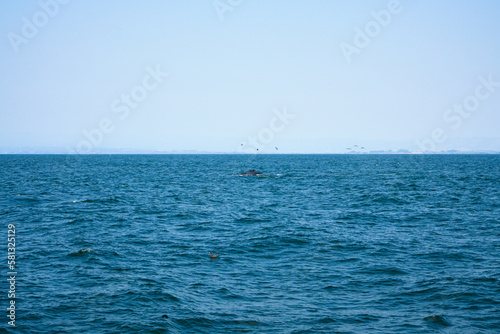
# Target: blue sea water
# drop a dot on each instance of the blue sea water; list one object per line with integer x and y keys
{"x": 318, "y": 244}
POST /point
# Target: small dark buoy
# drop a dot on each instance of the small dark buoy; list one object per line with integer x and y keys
{"x": 165, "y": 316}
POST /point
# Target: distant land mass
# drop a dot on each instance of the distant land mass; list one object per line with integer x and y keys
{"x": 27, "y": 150}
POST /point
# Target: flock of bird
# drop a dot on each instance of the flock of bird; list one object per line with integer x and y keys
{"x": 347, "y": 148}
{"x": 350, "y": 149}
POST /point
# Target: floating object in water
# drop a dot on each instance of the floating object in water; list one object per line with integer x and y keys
{"x": 212, "y": 256}
{"x": 250, "y": 172}
{"x": 165, "y": 316}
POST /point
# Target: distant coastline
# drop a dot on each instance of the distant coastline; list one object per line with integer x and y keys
{"x": 29, "y": 151}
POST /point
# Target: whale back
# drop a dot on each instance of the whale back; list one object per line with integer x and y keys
{"x": 251, "y": 172}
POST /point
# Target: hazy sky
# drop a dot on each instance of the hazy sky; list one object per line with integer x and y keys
{"x": 306, "y": 76}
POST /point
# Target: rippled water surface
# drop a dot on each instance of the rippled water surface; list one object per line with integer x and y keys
{"x": 318, "y": 244}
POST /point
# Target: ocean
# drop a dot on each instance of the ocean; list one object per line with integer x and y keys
{"x": 317, "y": 244}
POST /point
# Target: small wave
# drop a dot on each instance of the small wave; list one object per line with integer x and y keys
{"x": 169, "y": 297}
{"x": 294, "y": 241}
{"x": 76, "y": 220}
{"x": 326, "y": 320}
{"x": 485, "y": 279}
{"x": 80, "y": 252}
{"x": 28, "y": 199}
{"x": 384, "y": 270}
{"x": 438, "y": 320}
{"x": 198, "y": 322}
{"x": 427, "y": 291}
{"x": 98, "y": 200}
{"x": 232, "y": 323}
{"x": 349, "y": 259}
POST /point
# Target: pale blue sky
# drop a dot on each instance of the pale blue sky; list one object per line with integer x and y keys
{"x": 227, "y": 77}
